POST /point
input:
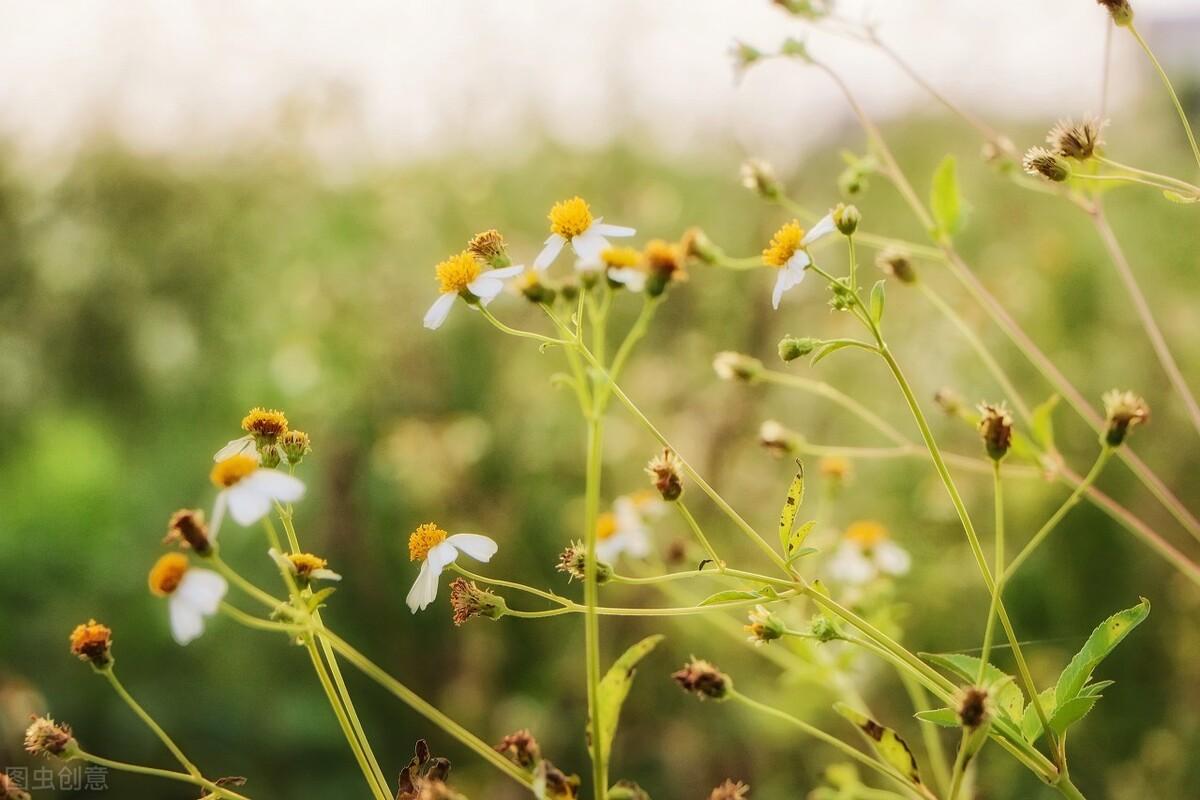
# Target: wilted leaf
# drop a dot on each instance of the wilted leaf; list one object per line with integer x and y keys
{"x": 796, "y": 541}
{"x": 887, "y": 743}
{"x": 614, "y": 688}
{"x": 1107, "y": 636}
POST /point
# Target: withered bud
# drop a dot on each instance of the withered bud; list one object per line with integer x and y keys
{"x": 778, "y": 440}
{"x": 92, "y": 642}
{"x": 793, "y": 347}
{"x": 759, "y": 176}
{"x": 551, "y": 783}
{"x": 763, "y": 626}
{"x": 489, "y": 247}
{"x": 187, "y": 528}
{"x": 696, "y": 244}
{"x": 1051, "y": 166}
{"x": 846, "y": 218}
{"x": 573, "y": 561}
{"x": 520, "y": 748}
{"x": 731, "y": 366}
{"x": 1076, "y": 140}
{"x": 270, "y": 456}
{"x": 974, "y": 707}
{"x": 896, "y": 263}
{"x": 996, "y": 428}
{"x": 1120, "y": 10}
{"x": 295, "y": 446}
{"x": 665, "y": 471}
{"x": 45, "y": 737}
{"x": 730, "y": 790}
{"x": 949, "y": 401}
{"x": 9, "y": 789}
{"x": 1123, "y": 411}
{"x": 468, "y": 601}
{"x": 703, "y": 680}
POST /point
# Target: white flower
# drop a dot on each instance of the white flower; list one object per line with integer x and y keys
{"x": 631, "y": 278}
{"x": 866, "y": 552}
{"x": 571, "y": 222}
{"x": 436, "y": 550}
{"x": 624, "y": 529}
{"x": 464, "y": 274}
{"x": 304, "y": 566}
{"x": 192, "y": 594}
{"x": 248, "y": 490}
{"x": 243, "y": 445}
{"x": 788, "y": 252}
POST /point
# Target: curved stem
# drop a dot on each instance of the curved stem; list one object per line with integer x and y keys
{"x": 111, "y": 676}
{"x": 699, "y": 534}
{"x": 181, "y": 777}
{"x": 591, "y": 599}
{"x": 537, "y": 337}
{"x": 827, "y": 391}
{"x": 1162, "y": 73}
{"x": 998, "y": 569}
{"x": 1145, "y": 173}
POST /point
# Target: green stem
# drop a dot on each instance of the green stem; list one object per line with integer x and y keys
{"x": 822, "y": 389}
{"x": 246, "y": 586}
{"x": 699, "y": 534}
{"x": 251, "y": 621}
{"x": 111, "y": 676}
{"x": 934, "y": 750}
{"x": 181, "y": 777}
{"x": 1162, "y": 73}
{"x": 1155, "y": 176}
{"x": 537, "y": 337}
{"x": 595, "y": 436}
{"x": 960, "y": 768}
{"x": 998, "y": 568}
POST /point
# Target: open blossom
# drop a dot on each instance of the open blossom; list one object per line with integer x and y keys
{"x": 192, "y": 594}
{"x": 463, "y": 275}
{"x": 571, "y": 222}
{"x": 621, "y": 265}
{"x": 865, "y": 553}
{"x": 436, "y": 550}
{"x": 624, "y": 528}
{"x": 788, "y": 253}
{"x": 305, "y": 567}
{"x": 263, "y": 427}
{"x": 248, "y": 490}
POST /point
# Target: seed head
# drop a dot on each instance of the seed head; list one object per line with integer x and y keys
{"x": 187, "y": 528}
{"x": 489, "y": 246}
{"x": 468, "y": 600}
{"x": 730, "y": 790}
{"x": 731, "y": 366}
{"x": 1051, "y": 166}
{"x": 295, "y": 446}
{"x": 92, "y": 642}
{"x": 995, "y": 426}
{"x": 665, "y": 470}
{"x": 759, "y": 176}
{"x": 1124, "y": 411}
{"x": 1120, "y": 10}
{"x": 45, "y": 737}
{"x": 703, "y": 680}
{"x": 520, "y": 748}
{"x": 974, "y": 707}
{"x": 1076, "y": 140}
{"x": 896, "y": 263}
{"x": 573, "y": 561}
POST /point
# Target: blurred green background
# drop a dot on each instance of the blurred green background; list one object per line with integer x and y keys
{"x": 146, "y": 304}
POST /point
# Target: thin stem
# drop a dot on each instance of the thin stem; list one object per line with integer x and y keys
{"x": 246, "y": 586}
{"x": 827, "y": 391}
{"x": 1145, "y": 173}
{"x": 1165, "y": 187}
{"x": 537, "y": 337}
{"x": 181, "y": 777}
{"x": 934, "y": 750}
{"x": 998, "y": 569}
{"x": 591, "y": 596}
{"x": 699, "y": 534}
{"x": 1162, "y": 73}
{"x": 960, "y": 767}
{"x": 251, "y": 621}
{"x": 111, "y": 676}
{"x": 520, "y": 587}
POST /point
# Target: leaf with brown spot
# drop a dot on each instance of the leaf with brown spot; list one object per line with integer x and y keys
{"x": 886, "y": 742}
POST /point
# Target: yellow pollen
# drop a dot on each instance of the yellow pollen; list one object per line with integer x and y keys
{"x": 457, "y": 271}
{"x": 167, "y": 572}
{"x": 228, "y": 472}
{"x": 307, "y": 563}
{"x": 570, "y": 217}
{"x": 784, "y": 244}
{"x": 617, "y": 257}
{"x": 606, "y": 526}
{"x": 269, "y": 423}
{"x": 90, "y": 638}
{"x": 866, "y": 533}
{"x": 423, "y": 539}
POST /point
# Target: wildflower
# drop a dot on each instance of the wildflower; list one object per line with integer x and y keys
{"x": 621, "y": 265}
{"x": 744, "y": 56}
{"x": 731, "y": 366}
{"x": 695, "y": 244}
{"x": 759, "y": 176}
{"x": 974, "y": 707}
{"x": 664, "y": 470}
{"x": 265, "y": 425}
{"x": 304, "y": 567}
{"x": 573, "y": 561}
{"x": 1124, "y": 411}
{"x": 865, "y": 553}
{"x": 490, "y": 248}
{"x": 624, "y": 529}
{"x": 1078, "y": 141}
{"x": 520, "y": 748}
{"x": 764, "y": 626}
{"x": 193, "y": 594}
{"x": 468, "y": 600}
{"x": 779, "y": 440}
{"x": 249, "y": 489}
{"x": 571, "y": 222}
{"x": 846, "y": 218}
{"x": 730, "y": 790}
{"x": 9, "y": 789}
{"x": 896, "y": 263}
{"x": 1040, "y": 161}
{"x": 45, "y": 737}
{"x": 462, "y": 275}
{"x": 92, "y": 642}
{"x": 436, "y": 550}
{"x": 793, "y": 347}
{"x": 996, "y": 428}
{"x": 1120, "y": 11}
{"x": 187, "y": 527}
{"x": 788, "y": 253}
{"x": 664, "y": 263}
{"x": 703, "y": 680}
{"x": 295, "y": 446}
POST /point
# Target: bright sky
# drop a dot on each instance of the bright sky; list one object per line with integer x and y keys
{"x": 400, "y": 79}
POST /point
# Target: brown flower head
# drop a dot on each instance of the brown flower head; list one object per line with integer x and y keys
{"x": 898, "y": 264}
{"x": 974, "y": 707}
{"x": 573, "y": 561}
{"x": 996, "y": 428}
{"x": 92, "y": 642}
{"x": 1076, "y": 140}
{"x": 520, "y": 748}
{"x": 187, "y": 527}
{"x": 730, "y": 790}
{"x": 1120, "y": 10}
{"x": 490, "y": 247}
{"x": 703, "y": 680}
{"x": 468, "y": 601}
{"x": 45, "y": 737}
{"x": 1050, "y": 165}
{"x": 665, "y": 470}
{"x": 1124, "y": 411}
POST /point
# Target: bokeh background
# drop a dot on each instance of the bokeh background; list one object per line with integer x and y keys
{"x": 207, "y": 207}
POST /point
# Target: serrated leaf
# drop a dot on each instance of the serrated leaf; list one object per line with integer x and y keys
{"x": 1108, "y": 635}
{"x": 1009, "y": 697}
{"x": 791, "y": 506}
{"x": 1061, "y": 717}
{"x": 1031, "y": 724}
{"x": 1176, "y": 197}
{"x": 1094, "y": 689}
{"x": 614, "y": 688}
{"x": 946, "y": 717}
{"x": 729, "y": 596}
{"x": 877, "y": 301}
{"x": 945, "y": 198}
{"x": 796, "y": 540}
{"x": 886, "y": 742}
{"x": 1041, "y": 422}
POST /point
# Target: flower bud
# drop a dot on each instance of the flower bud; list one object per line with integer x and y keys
{"x": 897, "y": 264}
{"x": 825, "y": 629}
{"x": 1123, "y": 411}
{"x": 703, "y": 680}
{"x": 573, "y": 561}
{"x": 846, "y": 218}
{"x": 269, "y": 456}
{"x": 535, "y": 291}
{"x": 779, "y": 440}
{"x": 996, "y": 428}
{"x": 187, "y": 527}
{"x": 731, "y": 366}
{"x": 949, "y": 401}
{"x": 569, "y": 289}
{"x": 92, "y": 642}
{"x": 295, "y": 446}
{"x": 45, "y": 737}
{"x": 489, "y": 247}
{"x": 764, "y": 626}
{"x": 665, "y": 471}
{"x": 974, "y": 707}
{"x": 744, "y": 56}
{"x": 759, "y": 176}
{"x": 696, "y": 244}
{"x": 1051, "y": 166}
{"x": 1120, "y": 11}
{"x": 468, "y": 601}
{"x": 520, "y": 748}
{"x": 793, "y": 347}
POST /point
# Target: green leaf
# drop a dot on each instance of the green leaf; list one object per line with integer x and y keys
{"x": 877, "y": 300}
{"x": 887, "y": 743}
{"x": 1176, "y": 197}
{"x": 801, "y": 553}
{"x": 946, "y": 717}
{"x": 729, "y": 596}
{"x": 1008, "y": 695}
{"x": 791, "y": 505}
{"x": 945, "y": 198}
{"x": 1107, "y": 636}
{"x": 318, "y": 599}
{"x": 614, "y": 688}
{"x": 1031, "y": 724}
{"x": 828, "y": 349}
{"x": 796, "y": 540}
{"x": 1061, "y": 717}
{"x": 1042, "y": 422}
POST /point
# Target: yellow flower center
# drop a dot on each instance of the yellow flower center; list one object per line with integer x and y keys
{"x": 228, "y": 472}
{"x": 457, "y": 271}
{"x": 606, "y": 526}
{"x": 784, "y": 244}
{"x": 617, "y": 257}
{"x": 90, "y": 639}
{"x": 662, "y": 256}
{"x": 570, "y": 217}
{"x": 423, "y": 539}
{"x": 167, "y": 572}
{"x": 268, "y": 423}
{"x": 306, "y": 563}
{"x": 866, "y": 534}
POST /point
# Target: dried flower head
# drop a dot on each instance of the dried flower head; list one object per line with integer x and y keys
{"x": 996, "y": 428}
{"x": 520, "y": 748}
{"x": 664, "y": 265}
{"x": 295, "y": 446}
{"x": 1120, "y": 11}
{"x": 898, "y": 264}
{"x": 424, "y": 777}
{"x": 551, "y": 783}
{"x": 45, "y": 737}
{"x": 763, "y": 626}
{"x": 573, "y": 561}
{"x": 468, "y": 601}
{"x": 665, "y": 470}
{"x": 186, "y": 527}
{"x": 1051, "y": 166}
{"x": 1076, "y": 140}
{"x": 730, "y": 790}
{"x": 265, "y": 425}
{"x": 92, "y": 642}
{"x": 490, "y": 247}
{"x": 703, "y": 680}
{"x": 1124, "y": 411}
{"x": 974, "y": 707}
{"x": 731, "y": 366}
{"x": 779, "y": 440}
{"x": 9, "y": 790}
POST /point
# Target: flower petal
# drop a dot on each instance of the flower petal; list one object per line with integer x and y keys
{"x": 424, "y": 589}
{"x": 849, "y": 565}
{"x": 892, "y": 558}
{"x": 485, "y": 288}
{"x": 604, "y": 229}
{"x": 246, "y": 505}
{"x": 218, "y": 516}
{"x": 631, "y": 278}
{"x": 823, "y": 228}
{"x": 554, "y": 246}
{"x": 202, "y": 589}
{"x": 187, "y": 622}
{"x": 276, "y": 485}
{"x": 235, "y": 447}
{"x": 477, "y": 546}
{"x": 589, "y": 244}
{"x": 438, "y": 312}
{"x": 504, "y": 273}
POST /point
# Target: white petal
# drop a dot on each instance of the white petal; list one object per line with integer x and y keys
{"x": 584, "y": 265}
{"x": 424, "y": 589}
{"x": 796, "y": 264}
{"x": 276, "y": 485}
{"x": 202, "y": 589}
{"x": 608, "y": 550}
{"x": 218, "y": 516}
{"x": 589, "y": 244}
{"x": 504, "y": 273}
{"x": 186, "y": 622}
{"x": 780, "y": 285}
{"x": 325, "y": 575}
{"x": 633, "y": 279}
{"x": 849, "y": 565}
{"x": 485, "y": 288}
{"x": 478, "y": 547}
{"x": 438, "y": 312}
{"x": 611, "y": 230}
{"x": 246, "y": 505}
{"x": 235, "y": 447}
{"x": 892, "y": 558}
{"x": 281, "y": 561}
{"x": 554, "y": 246}
{"x": 823, "y": 228}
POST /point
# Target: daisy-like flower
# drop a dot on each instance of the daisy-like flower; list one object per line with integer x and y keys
{"x": 248, "y": 489}
{"x": 624, "y": 528}
{"x": 571, "y": 222}
{"x": 436, "y": 550}
{"x": 788, "y": 253}
{"x": 263, "y": 427}
{"x": 865, "y": 553}
{"x": 463, "y": 275}
{"x": 305, "y": 567}
{"x": 621, "y": 265}
{"x": 192, "y": 594}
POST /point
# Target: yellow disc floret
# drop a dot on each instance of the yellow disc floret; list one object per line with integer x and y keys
{"x": 228, "y": 472}
{"x": 423, "y": 539}
{"x": 784, "y": 244}
{"x": 305, "y": 564}
{"x": 91, "y": 641}
{"x": 457, "y": 272}
{"x": 265, "y": 423}
{"x": 866, "y": 533}
{"x": 167, "y": 572}
{"x": 617, "y": 257}
{"x": 606, "y": 526}
{"x": 570, "y": 217}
